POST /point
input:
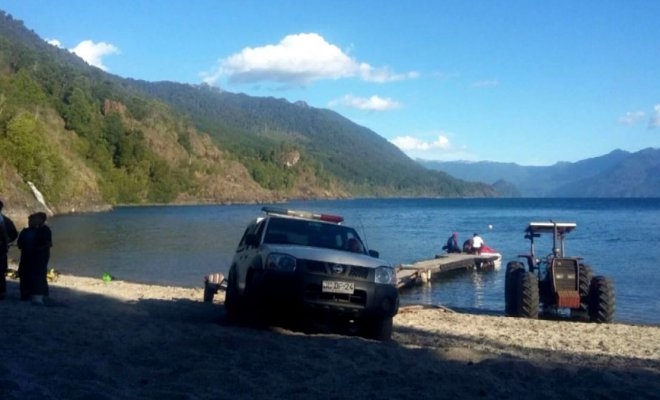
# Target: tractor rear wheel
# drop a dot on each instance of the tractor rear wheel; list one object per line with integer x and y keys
{"x": 602, "y": 300}
{"x": 510, "y": 297}
{"x": 526, "y": 294}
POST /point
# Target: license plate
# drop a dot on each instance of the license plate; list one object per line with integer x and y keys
{"x": 338, "y": 287}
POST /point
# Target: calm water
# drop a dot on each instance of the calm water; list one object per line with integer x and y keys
{"x": 179, "y": 245}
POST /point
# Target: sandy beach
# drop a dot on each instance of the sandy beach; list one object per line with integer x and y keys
{"x": 120, "y": 340}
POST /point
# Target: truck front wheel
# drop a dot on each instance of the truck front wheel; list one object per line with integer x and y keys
{"x": 377, "y": 328}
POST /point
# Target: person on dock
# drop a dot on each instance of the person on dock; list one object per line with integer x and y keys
{"x": 8, "y": 234}
{"x": 467, "y": 246}
{"x": 452, "y": 244}
{"x": 477, "y": 243}
{"x": 35, "y": 242}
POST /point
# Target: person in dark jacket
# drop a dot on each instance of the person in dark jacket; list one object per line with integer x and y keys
{"x": 35, "y": 242}
{"x": 467, "y": 246}
{"x": 8, "y": 234}
{"x": 27, "y": 243}
{"x": 452, "y": 244}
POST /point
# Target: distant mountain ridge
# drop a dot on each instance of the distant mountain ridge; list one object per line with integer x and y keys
{"x": 616, "y": 174}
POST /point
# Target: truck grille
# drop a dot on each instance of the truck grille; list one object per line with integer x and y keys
{"x": 358, "y": 272}
{"x": 314, "y": 292}
{"x": 336, "y": 270}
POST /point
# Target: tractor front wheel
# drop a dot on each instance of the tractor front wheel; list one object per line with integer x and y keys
{"x": 602, "y": 300}
{"x": 584, "y": 285}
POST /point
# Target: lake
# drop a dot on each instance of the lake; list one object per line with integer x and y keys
{"x": 179, "y": 245}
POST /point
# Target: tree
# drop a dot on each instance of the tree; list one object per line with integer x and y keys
{"x": 25, "y": 146}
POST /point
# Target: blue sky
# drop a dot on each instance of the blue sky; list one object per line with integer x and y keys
{"x": 511, "y": 81}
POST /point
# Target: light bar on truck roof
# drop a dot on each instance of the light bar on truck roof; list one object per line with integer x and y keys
{"x": 304, "y": 214}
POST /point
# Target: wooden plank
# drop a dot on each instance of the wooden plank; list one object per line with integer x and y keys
{"x": 424, "y": 270}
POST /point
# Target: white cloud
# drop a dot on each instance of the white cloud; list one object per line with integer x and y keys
{"x": 439, "y": 149}
{"x": 54, "y": 42}
{"x": 297, "y": 59}
{"x": 373, "y": 103}
{"x": 413, "y": 144}
{"x": 93, "y": 53}
{"x": 486, "y": 84}
{"x": 383, "y": 75}
{"x": 631, "y": 117}
{"x": 654, "y": 122}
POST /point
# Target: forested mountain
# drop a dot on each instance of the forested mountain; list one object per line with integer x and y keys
{"x": 252, "y": 127}
{"x": 617, "y": 174}
{"x": 87, "y": 138}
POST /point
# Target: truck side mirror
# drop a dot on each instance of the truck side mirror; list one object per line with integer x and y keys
{"x": 374, "y": 253}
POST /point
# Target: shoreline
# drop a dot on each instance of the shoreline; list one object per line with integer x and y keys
{"x": 13, "y": 267}
{"x": 129, "y": 340}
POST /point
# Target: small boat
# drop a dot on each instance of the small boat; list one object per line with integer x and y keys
{"x": 492, "y": 264}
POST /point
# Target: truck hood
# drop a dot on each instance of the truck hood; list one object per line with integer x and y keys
{"x": 328, "y": 255}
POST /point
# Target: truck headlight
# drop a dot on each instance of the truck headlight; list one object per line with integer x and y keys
{"x": 281, "y": 262}
{"x": 385, "y": 276}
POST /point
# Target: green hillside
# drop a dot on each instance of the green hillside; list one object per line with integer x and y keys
{"x": 252, "y": 126}
{"x": 88, "y": 139}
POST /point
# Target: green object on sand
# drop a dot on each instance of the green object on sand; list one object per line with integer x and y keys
{"x": 106, "y": 277}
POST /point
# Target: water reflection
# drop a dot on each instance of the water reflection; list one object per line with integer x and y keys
{"x": 478, "y": 285}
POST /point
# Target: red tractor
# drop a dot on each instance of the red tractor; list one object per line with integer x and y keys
{"x": 557, "y": 282}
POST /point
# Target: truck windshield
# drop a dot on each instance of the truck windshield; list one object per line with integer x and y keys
{"x": 312, "y": 233}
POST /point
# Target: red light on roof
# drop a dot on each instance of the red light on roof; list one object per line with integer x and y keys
{"x": 331, "y": 218}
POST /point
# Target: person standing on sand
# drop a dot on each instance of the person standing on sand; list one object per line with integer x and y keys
{"x": 35, "y": 242}
{"x": 8, "y": 234}
{"x": 27, "y": 243}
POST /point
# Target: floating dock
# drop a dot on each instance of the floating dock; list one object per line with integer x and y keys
{"x": 423, "y": 271}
